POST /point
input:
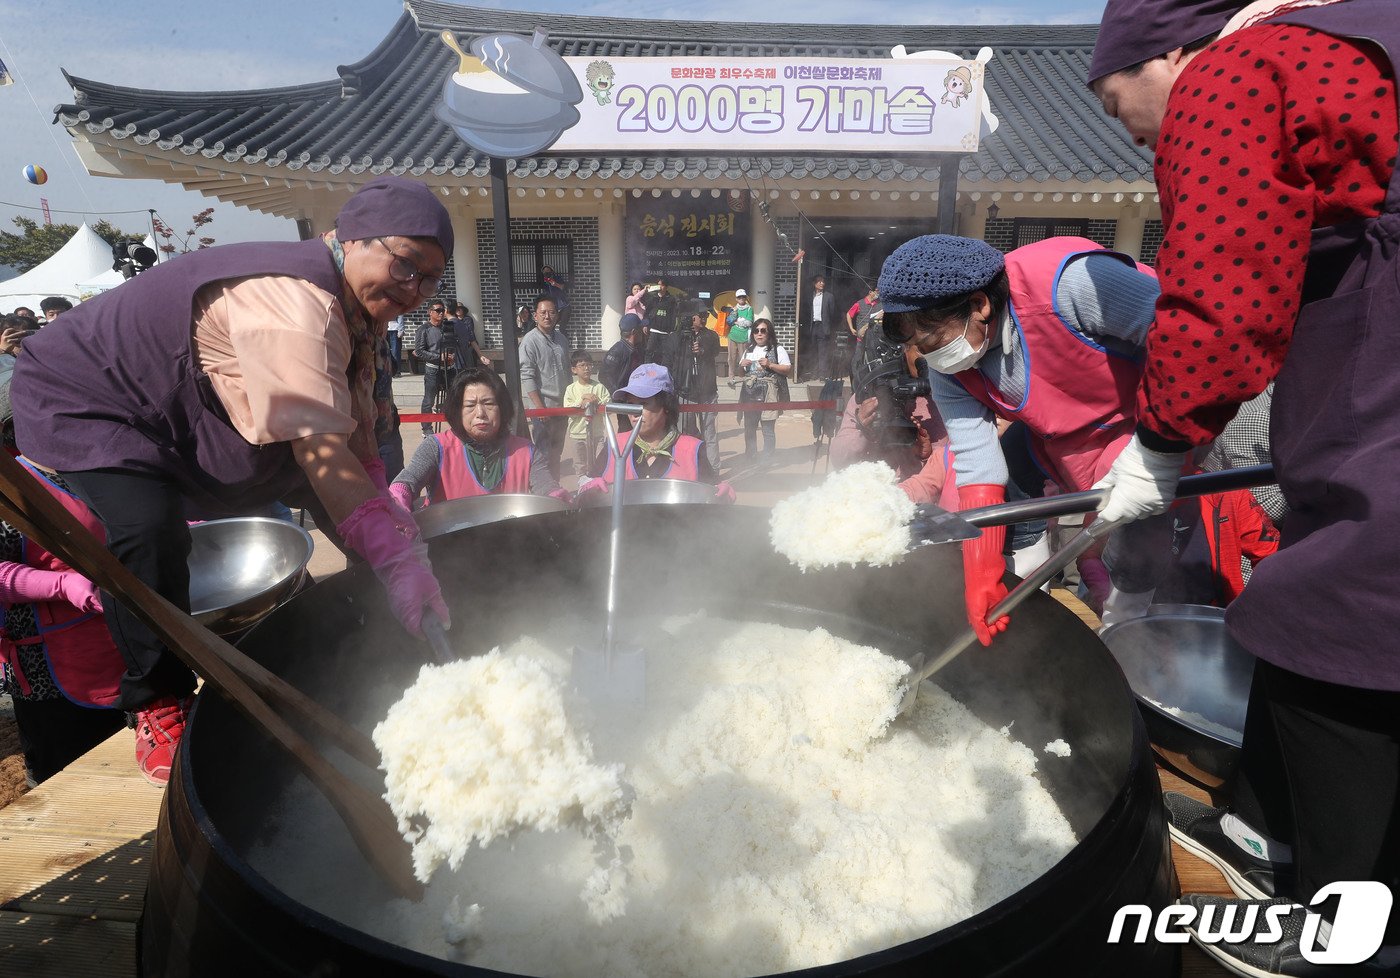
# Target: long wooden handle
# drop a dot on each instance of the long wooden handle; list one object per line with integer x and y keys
{"x": 39, "y": 516}
{"x": 30, "y": 508}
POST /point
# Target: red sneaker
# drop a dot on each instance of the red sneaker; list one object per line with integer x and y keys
{"x": 159, "y": 728}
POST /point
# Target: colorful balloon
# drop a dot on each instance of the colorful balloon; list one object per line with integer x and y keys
{"x": 36, "y": 174}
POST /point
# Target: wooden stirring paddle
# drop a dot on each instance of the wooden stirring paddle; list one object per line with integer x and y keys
{"x": 249, "y": 686}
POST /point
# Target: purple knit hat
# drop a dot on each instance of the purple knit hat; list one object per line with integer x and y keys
{"x": 395, "y": 206}
{"x": 1133, "y": 31}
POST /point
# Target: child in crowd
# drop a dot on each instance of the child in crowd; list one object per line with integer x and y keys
{"x": 587, "y": 393}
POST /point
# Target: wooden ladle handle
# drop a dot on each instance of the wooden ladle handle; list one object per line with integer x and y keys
{"x": 35, "y": 513}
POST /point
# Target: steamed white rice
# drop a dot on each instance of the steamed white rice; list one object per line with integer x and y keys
{"x": 857, "y": 515}
{"x": 483, "y": 747}
{"x": 781, "y": 820}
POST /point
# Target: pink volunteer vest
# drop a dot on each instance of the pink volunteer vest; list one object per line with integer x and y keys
{"x": 1081, "y": 399}
{"x": 456, "y": 480}
{"x": 81, "y": 655}
{"x": 685, "y": 462}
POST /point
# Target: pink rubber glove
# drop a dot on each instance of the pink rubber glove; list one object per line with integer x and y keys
{"x": 724, "y": 493}
{"x": 593, "y": 485}
{"x": 402, "y": 495}
{"x": 562, "y": 495}
{"x": 400, "y": 562}
{"x": 374, "y": 468}
{"x": 983, "y": 564}
{"x": 19, "y": 584}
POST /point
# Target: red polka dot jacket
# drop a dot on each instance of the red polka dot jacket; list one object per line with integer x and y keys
{"x": 1269, "y": 133}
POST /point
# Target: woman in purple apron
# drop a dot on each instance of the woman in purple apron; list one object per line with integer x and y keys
{"x": 220, "y": 382}
{"x": 1276, "y": 166}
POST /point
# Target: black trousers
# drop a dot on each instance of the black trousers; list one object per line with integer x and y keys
{"x": 1320, "y": 770}
{"x": 819, "y": 350}
{"x": 433, "y": 382}
{"x": 548, "y": 435}
{"x": 145, "y": 521}
{"x": 55, "y": 733}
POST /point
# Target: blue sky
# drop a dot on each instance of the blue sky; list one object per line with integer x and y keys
{"x": 184, "y": 46}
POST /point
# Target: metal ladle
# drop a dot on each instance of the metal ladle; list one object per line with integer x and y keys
{"x": 608, "y": 674}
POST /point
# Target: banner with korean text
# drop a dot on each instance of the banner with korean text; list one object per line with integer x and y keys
{"x": 700, "y": 244}
{"x": 916, "y": 104}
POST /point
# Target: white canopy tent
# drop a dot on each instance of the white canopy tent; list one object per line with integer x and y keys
{"x": 85, "y": 256}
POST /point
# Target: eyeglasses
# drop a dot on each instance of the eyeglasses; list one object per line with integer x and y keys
{"x": 403, "y": 270}
{"x": 760, "y": 332}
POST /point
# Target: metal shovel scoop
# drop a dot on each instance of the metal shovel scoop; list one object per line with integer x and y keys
{"x": 610, "y": 674}
{"x": 933, "y": 524}
{"x": 940, "y": 526}
{"x": 1057, "y": 562}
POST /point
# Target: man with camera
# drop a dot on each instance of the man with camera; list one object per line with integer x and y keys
{"x": 890, "y": 418}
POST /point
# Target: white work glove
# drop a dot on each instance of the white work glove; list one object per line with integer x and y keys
{"x": 1124, "y": 606}
{"x": 1142, "y": 483}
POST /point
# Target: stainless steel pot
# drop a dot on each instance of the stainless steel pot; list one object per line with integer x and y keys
{"x": 1191, "y": 679}
{"x": 458, "y": 514}
{"x": 647, "y": 492}
{"x": 242, "y": 569}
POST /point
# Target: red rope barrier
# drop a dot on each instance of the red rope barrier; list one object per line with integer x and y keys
{"x": 685, "y": 408}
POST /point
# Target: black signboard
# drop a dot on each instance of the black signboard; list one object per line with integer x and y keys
{"x": 701, "y": 244}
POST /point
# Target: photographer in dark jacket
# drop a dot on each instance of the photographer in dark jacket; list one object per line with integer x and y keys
{"x": 691, "y": 360}
{"x": 662, "y": 306}
{"x": 429, "y": 352}
{"x": 625, "y": 356}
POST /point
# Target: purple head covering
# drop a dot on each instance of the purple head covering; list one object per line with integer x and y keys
{"x": 395, "y": 206}
{"x": 1133, "y": 31}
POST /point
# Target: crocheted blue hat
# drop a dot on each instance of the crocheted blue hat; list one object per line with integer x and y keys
{"x": 934, "y": 267}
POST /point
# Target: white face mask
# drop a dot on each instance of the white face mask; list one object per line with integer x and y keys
{"x": 958, "y": 355}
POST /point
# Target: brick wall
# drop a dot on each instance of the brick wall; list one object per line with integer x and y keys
{"x": 1103, "y": 232}
{"x": 585, "y": 289}
{"x": 1152, "y": 234}
{"x": 784, "y": 280}
{"x": 999, "y": 233}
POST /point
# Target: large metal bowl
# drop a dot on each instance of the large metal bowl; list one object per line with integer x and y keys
{"x": 1191, "y": 680}
{"x": 643, "y": 492}
{"x": 242, "y": 569}
{"x": 458, "y": 514}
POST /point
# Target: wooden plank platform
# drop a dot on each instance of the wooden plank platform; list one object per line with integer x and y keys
{"x": 75, "y": 855}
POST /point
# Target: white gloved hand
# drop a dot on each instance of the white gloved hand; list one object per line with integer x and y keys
{"x": 1124, "y": 606}
{"x": 1142, "y": 483}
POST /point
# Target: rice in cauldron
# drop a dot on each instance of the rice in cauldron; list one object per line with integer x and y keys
{"x": 780, "y": 820}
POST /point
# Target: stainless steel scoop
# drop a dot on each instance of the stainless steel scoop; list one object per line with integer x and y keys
{"x": 945, "y": 527}
{"x": 933, "y": 524}
{"x": 609, "y": 673}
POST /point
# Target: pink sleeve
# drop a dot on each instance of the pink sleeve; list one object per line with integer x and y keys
{"x": 849, "y": 445}
{"x": 926, "y": 485}
{"x": 276, "y": 349}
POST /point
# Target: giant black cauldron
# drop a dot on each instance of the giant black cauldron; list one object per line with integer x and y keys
{"x": 209, "y": 913}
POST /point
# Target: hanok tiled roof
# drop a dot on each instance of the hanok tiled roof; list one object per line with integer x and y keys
{"x": 378, "y": 115}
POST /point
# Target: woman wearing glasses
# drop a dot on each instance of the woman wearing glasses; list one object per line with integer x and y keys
{"x": 231, "y": 379}
{"x": 765, "y": 368}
